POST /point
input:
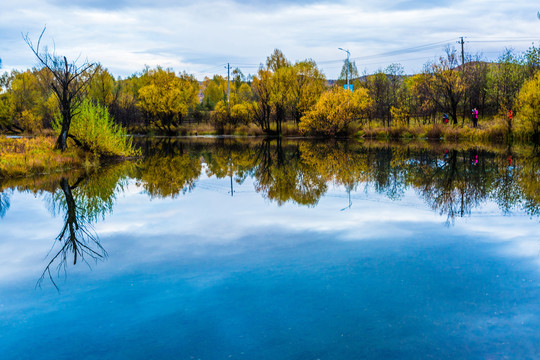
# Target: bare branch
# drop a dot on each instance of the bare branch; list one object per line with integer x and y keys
{"x": 70, "y": 80}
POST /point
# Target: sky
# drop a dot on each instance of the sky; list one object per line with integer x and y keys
{"x": 201, "y": 37}
{"x": 165, "y": 228}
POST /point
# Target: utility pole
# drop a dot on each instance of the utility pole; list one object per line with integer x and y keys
{"x": 348, "y": 67}
{"x": 231, "y": 175}
{"x": 228, "y": 84}
{"x": 462, "y": 51}
{"x": 232, "y": 189}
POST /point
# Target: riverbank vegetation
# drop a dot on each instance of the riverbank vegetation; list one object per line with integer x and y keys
{"x": 94, "y": 130}
{"x": 32, "y": 156}
{"x": 281, "y": 99}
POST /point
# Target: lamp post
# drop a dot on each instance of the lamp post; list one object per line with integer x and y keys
{"x": 347, "y": 74}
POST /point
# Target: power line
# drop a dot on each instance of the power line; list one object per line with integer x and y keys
{"x": 506, "y": 41}
{"x": 402, "y": 51}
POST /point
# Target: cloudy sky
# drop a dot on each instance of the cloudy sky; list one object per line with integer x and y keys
{"x": 200, "y": 37}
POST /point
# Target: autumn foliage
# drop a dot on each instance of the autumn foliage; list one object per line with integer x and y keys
{"x": 284, "y": 97}
{"x": 334, "y": 111}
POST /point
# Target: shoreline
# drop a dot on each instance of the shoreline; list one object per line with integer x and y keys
{"x": 25, "y": 157}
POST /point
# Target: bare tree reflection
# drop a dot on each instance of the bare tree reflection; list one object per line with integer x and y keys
{"x": 455, "y": 185}
{"x": 506, "y": 191}
{"x": 77, "y": 238}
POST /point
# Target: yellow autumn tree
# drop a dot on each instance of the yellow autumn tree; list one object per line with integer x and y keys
{"x": 214, "y": 90}
{"x": 26, "y": 100}
{"x": 334, "y": 111}
{"x": 167, "y": 98}
{"x": 238, "y": 110}
{"x": 307, "y": 89}
{"x": 529, "y": 104}
{"x": 101, "y": 87}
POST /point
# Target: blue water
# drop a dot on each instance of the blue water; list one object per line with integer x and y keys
{"x": 207, "y": 275}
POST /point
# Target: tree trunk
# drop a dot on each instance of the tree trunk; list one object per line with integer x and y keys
{"x": 61, "y": 142}
{"x": 65, "y": 108}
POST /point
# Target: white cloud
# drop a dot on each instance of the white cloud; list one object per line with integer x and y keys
{"x": 196, "y": 36}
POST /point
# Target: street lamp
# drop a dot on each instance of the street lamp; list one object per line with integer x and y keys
{"x": 347, "y": 74}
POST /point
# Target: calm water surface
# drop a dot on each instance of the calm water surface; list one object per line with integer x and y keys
{"x": 236, "y": 249}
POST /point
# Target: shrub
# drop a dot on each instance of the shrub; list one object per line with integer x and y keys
{"x": 435, "y": 132}
{"x": 451, "y": 133}
{"x": 397, "y": 132}
{"x": 96, "y": 131}
{"x": 29, "y": 122}
{"x": 335, "y": 111}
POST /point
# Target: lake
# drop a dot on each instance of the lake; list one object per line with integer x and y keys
{"x": 227, "y": 248}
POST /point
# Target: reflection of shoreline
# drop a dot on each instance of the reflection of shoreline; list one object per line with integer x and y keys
{"x": 451, "y": 178}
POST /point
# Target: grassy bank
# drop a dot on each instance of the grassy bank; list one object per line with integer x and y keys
{"x": 288, "y": 128}
{"x": 30, "y": 156}
{"x": 490, "y": 130}
{"x": 494, "y": 131}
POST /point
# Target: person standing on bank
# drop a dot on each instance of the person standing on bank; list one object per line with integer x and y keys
{"x": 475, "y": 117}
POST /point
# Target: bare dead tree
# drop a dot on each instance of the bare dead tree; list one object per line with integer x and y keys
{"x": 69, "y": 82}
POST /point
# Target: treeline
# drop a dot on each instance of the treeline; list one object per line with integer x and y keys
{"x": 296, "y": 95}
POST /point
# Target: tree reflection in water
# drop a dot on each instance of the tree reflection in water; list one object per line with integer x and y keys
{"x": 168, "y": 169}
{"x": 91, "y": 197}
{"x": 451, "y": 180}
{"x": 77, "y": 237}
{"x": 281, "y": 176}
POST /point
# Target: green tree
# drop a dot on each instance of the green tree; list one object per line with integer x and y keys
{"x": 379, "y": 87}
{"x": 350, "y": 72}
{"x": 25, "y": 94}
{"x": 94, "y": 129}
{"x": 424, "y": 107}
{"x": 238, "y": 78}
{"x": 508, "y": 77}
{"x": 532, "y": 60}
{"x": 244, "y": 93}
{"x": 102, "y": 88}
{"x": 276, "y": 61}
